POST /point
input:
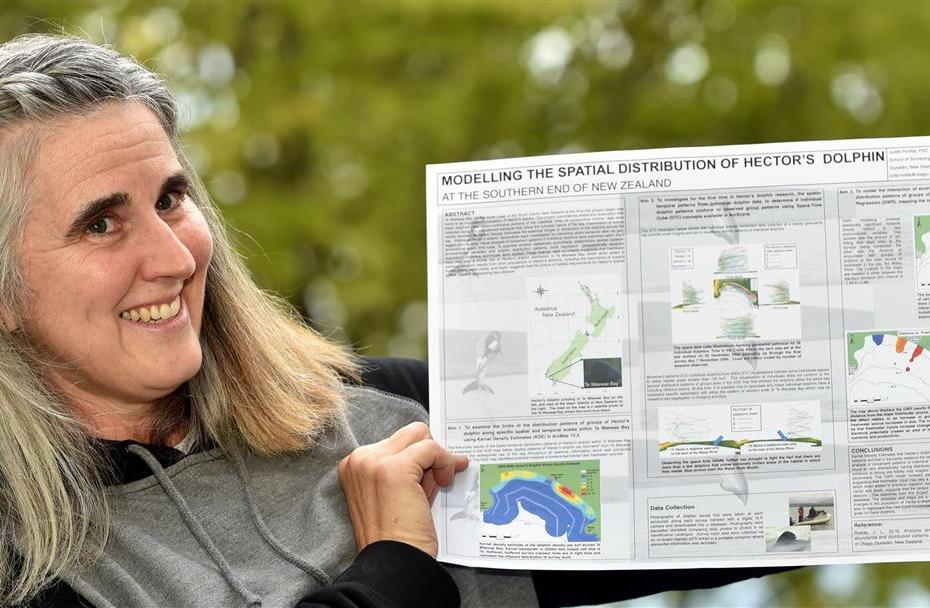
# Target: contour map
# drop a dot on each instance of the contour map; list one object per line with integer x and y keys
{"x": 888, "y": 367}
{"x": 541, "y": 501}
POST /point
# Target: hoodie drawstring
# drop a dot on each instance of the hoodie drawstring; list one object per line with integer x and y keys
{"x": 315, "y": 571}
{"x": 254, "y": 601}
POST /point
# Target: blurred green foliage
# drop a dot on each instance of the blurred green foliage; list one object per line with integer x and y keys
{"x": 311, "y": 123}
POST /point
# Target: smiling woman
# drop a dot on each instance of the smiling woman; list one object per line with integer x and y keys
{"x": 171, "y": 435}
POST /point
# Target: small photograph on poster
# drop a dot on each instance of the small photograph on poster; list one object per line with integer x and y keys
{"x": 813, "y": 509}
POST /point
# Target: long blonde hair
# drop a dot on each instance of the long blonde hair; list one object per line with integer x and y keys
{"x": 268, "y": 383}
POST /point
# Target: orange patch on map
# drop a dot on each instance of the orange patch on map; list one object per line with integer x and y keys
{"x": 899, "y": 345}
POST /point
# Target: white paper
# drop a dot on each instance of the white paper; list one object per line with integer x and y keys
{"x": 690, "y": 357}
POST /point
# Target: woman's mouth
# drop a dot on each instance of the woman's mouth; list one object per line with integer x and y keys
{"x": 156, "y": 313}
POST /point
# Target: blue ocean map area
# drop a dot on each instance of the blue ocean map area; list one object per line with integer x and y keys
{"x": 563, "y": 511}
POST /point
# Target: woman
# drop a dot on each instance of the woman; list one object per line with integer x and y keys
{"x": 134, "y": 337}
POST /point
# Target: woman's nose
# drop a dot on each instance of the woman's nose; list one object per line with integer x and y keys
{"x": 164, "y": 255}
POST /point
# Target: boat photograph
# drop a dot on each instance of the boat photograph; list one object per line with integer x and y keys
{"x": 814, "y": 509}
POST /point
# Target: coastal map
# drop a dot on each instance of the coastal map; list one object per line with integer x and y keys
{"x": 747, "y": 429}
{"x": 541, "y": 501}
{"x": 888, "y": 367}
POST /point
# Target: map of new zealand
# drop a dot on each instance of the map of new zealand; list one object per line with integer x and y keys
{"x": 574, "y": 334}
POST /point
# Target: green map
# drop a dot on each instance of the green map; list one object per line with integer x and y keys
{"x": 855, "y": 340}
{"x": 597, "y": 319}
{"x": 921, "y": 227}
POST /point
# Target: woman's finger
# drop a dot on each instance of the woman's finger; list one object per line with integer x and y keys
{"x": 405, "y": 436}
{"x": 429, "y": 455}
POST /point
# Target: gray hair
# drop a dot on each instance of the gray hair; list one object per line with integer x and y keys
{"x": 43, "y": 76}
{"x": 275, "y": 396}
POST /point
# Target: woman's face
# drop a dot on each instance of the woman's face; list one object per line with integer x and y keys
{"x": 112, "y": 242}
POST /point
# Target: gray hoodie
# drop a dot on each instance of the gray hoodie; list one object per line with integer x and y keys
{"x": 250, "y": 531}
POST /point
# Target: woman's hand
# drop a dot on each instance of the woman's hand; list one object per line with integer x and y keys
{"x": 390, "y": 485}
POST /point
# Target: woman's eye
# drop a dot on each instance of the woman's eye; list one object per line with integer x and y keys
{"x": 169, "y": 201}
{"x": 101, "y": 225}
